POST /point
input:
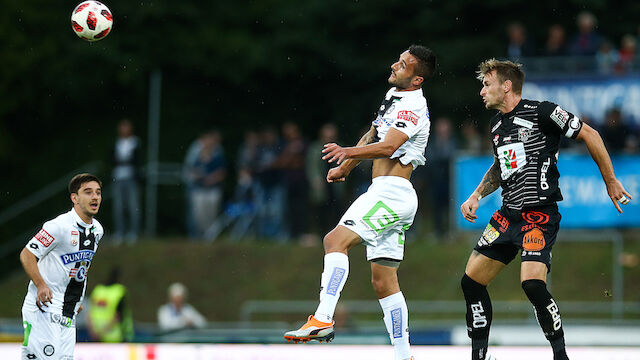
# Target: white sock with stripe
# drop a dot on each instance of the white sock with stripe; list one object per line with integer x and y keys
{"x": 396, "y": 318}
{"x": 334, "y": 276}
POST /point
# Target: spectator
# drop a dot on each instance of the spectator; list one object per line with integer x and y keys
{"x": 326, "y": 199}
{"x": 519, "y": 45}
{"x": 472, "y": 141}
{"x": 440, "y": 151}
{"x": 627, "y": 53}
{"x": 292, "y": 162}
{"x": 556, "y": 41}
{"x": 614, "y": 132}
{"x": 109, "y": 316}
{"x": 271, "y": 191}
{"x": 205, "y": 171}
{"x": 126, "y": 160}
{"x": 587, "y": 41}
{"x": 606, "y": 58}
{"x": 177, "y": 314}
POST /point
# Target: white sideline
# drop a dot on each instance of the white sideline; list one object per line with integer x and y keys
{"x": 316, "y": 352}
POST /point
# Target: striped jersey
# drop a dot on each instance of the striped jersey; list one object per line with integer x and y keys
{"x": 65, "y": 247}
{"x": 525, "y": 144}
{"x": 407, "y": 112}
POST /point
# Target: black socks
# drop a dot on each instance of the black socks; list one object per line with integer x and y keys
{"x": 479, "y": 315}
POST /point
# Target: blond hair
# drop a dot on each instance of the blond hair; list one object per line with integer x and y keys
{"x": 505, "y": 70}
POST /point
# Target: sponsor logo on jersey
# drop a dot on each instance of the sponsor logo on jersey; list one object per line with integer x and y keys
{"x": 512, "y": 158}
{"x": 522, "y": 122}
{"x": 75, "y": 236}
{"x": 544, "y": 185}
{"x": 527, "y": 106}
{"x": 82, "y": 255}
{"x": 496, "y": 139}
{"x": 44, "y": 238}
{"x": 559, "y": 116}
{"x": 533, "y": 240}
{"x": 408, "y": 116}
{"x": 496, "y": 126}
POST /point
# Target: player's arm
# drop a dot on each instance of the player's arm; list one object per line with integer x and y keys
{"x": 599, "y": 153}
{"x": 392, "y": 141}
{"x": 30, "y": 265}
{"x": 339, "y": 173}
{"x": 490, "y": 182}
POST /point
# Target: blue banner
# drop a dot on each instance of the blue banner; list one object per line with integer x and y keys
{"x": 585, "y": 205}
{"x": 592, "y": 97}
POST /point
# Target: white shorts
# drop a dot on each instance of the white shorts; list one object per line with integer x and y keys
{"x": 47, "y": 336}
{"x": 382, "y": 215}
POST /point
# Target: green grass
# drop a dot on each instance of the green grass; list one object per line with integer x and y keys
{"x": 223, "y": 275}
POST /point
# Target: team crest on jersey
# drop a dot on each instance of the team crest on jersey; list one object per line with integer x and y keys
{"x": 524, "y": 134}
{"x": 75, "y": 236}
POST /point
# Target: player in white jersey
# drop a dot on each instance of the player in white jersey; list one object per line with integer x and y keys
{"x": 57, "y": 260}
{"x": 396, "y": 142}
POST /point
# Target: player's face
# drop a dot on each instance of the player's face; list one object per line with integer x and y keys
{"x": 492, "y": 92}
{"x": 402, "y": 72}
{"x": 87, "y": 200}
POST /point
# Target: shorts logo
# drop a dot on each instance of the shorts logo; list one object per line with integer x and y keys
{"x": 382, "y": 215}
{"x": 31, "y": 356}
{"x": 396, "y": 321}
{"x": 504, "y": 223}
{"x": 408, "y": 116}
{"x": 535, "y": 217}
{"x": 489, "y": 235}
{"x": 44, "y": 238}
{"x": 533, "y": 240}
{"x": 49, "y": 350}
{"x": 334, "y": 282}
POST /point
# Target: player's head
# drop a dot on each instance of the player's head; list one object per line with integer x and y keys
{"x": 86, "y": 194}
{"x": 414, "y": 66}
{"x": 499, "y": 79}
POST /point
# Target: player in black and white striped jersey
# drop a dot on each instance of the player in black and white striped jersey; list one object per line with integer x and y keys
{"x": 57, "y": 260}
{"x": 526, "y": 136}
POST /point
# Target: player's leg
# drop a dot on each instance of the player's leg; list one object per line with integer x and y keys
{"x": 41, "y": 336}
{"x": 384, "y": 278}
{"x": 67, "y": 343}
{"x": 479, "y": 272}
{"x": 336, "y": 270}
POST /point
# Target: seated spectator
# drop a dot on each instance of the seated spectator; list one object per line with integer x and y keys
{"x": 556, "y": 41}
{"x": 627, "y": 53}
{"x": 587, "y": 41}
{"x": 519, "y": 45}
{"x": 177, "y": 314}
{"x": 606, "y": 58}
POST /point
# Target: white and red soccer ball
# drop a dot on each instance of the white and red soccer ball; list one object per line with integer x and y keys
{"x": 91, "y": 20}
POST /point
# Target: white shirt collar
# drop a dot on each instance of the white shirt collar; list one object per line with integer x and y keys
{"x": 411, "y": 93}
{"x": 77, "y": 218}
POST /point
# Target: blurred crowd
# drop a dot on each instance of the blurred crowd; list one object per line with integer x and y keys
{"x": 586, "y": 41}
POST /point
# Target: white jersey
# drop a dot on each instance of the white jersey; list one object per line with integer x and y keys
{"x": 405, "y": 111}
{"x": 64, "y": 247}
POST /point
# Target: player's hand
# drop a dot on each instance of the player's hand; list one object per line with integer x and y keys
{"x": 44, "y": 296}
{"x": 469, "y": 208}
{"x": 336, "y": 174}
{"x": 80, "y": 309}
{"x": 334, "y": 152}
{"x": 617, "y": 193}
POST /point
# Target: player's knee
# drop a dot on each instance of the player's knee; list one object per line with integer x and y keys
{"x": 534, "y": 288}
{"x": 470, "y": 286}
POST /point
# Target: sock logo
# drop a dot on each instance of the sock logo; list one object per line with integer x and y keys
{"x": 479, "y": 319}
{"x": 334, "y": 282}
{"x": 396, "y": 322}
{"x": 555, "y": 315}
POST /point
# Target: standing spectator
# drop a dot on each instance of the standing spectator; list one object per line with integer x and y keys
{"x": 126, "y": 160}
{"x": 606, "y": 57}
{"x": 326, "y": 199}
{"x": 271, "y": 191}
{"x": 587, "y": 41}
{"x": 439, "y": 154}
{"x": 177, "y": 314}
{"x": 519, "y": 45}
{"x": 292, "y": 161}
{"x": 110, "y": 317}
{"x": 627, "y": 53}
{"x": 556, "y": 41}
{"x": 205, "y": 172}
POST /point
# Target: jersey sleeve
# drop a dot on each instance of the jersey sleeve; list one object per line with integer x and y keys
{"x": 409, "y": 119}
{"x": 45, "y": 240}
{"x": 553, "y": 118}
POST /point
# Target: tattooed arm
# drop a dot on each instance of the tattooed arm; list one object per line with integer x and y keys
{"x": 339, "y": 173}
{"x": 490, "y": 182}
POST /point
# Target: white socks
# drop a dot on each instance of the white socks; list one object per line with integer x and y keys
{"x": 396, "y": 318}
{"x": 334, "y": 276}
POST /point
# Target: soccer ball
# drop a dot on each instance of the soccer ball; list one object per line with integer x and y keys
{"x": 91, "y": 20}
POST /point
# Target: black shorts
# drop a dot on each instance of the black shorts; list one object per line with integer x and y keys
{"x": 533, "y": 231}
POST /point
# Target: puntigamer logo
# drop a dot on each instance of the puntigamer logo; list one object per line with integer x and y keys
{"x": 84, "y": 255}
